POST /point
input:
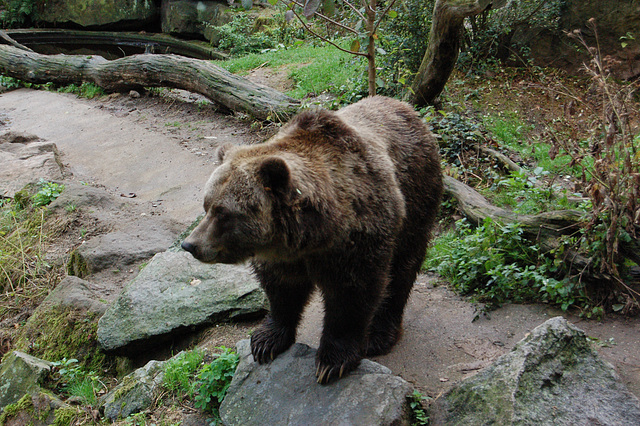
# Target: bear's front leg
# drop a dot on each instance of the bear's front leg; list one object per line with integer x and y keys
{"x": 348, "y": 312}
{"x": 288, "y": 289}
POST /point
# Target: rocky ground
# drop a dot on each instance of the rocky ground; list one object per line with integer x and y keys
{"x": 153, "y": 154}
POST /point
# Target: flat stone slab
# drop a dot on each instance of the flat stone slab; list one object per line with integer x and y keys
{"x": 25, "y": 159}
{"x": 174, "y": 292}
{"x": 285, "y": 391}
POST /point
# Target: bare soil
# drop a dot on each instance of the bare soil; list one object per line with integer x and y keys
{"x": 155, "y": 152}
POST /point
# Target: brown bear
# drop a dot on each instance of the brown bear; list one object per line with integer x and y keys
{"x": 344, "y": 201}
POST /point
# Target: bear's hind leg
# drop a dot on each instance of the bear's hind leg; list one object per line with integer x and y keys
{"x": 350, "y": 301}
{"x": 288, "y": 289}
{"x": 386, "y": 327}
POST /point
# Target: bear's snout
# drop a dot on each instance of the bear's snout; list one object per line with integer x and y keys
{"x": 187, "y": 246}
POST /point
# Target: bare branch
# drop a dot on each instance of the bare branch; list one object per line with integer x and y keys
{"x": 326, "y": 18}
{"x": 354, "y": 9}
{"x": 306, "y": 27}
{"x": 375, "y": 27}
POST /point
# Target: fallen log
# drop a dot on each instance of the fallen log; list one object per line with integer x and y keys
{"x": 132, "y": 72}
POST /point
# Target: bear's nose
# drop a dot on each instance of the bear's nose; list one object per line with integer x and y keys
{"x": 188, "y": 247}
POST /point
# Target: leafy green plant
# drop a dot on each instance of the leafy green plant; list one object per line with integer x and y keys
{"x": 497, "y": 264}
{"x": 48, "y": 192}
{"x": 418, "y": 412}
{"x": 75, "y": 381}
{"x": 214, "y": 379}
{"x": 85, "y": 90}
{"x": 237, "y": 37}
{"x": 180, "y": 371}
{"x": 16, "y": 13}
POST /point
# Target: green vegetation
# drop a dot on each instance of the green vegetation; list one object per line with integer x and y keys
{"x": 498, "y": 265}
{"x": 180, "y": 371}
{"x": 15, "y": 13}
{"x": 47, "y": 193}
{"x": 418, "y": 412}
{"x": 205, "y": 383}
{"x": 314, "y": 69}
{"x": 75, "y": 381}
{"x": 22, "y": 238}
{"x": 85, "y": 90}
{"x": 214, "y": 379}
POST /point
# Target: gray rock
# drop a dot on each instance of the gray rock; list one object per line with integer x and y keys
{"x": 75, "y": 293}
{"x": 121, "y": 248}
{"x": 23, "y": 160}
{"x": 285, "y": 392}
{"x": 83, "y": 196}
{"x": 21, "y": 374}
{"x": 135, "y": 393}
{"x": 553, "y": 376}
{"x": 175, "y": 291}
{"x": 94, "y": 13}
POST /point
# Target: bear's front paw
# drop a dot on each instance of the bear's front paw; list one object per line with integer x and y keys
{"x": 270, "y": 340}
{"x": 333, "y": 361}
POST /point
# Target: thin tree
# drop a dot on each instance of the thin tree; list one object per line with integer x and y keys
{"x": 369, "y": 18}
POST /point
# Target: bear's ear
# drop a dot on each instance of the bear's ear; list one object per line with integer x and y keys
{"x": 275, "y": 174}
{"x": 222, "y": 150}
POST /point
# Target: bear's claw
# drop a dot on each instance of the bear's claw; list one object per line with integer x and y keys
{"x": 269, "y": 341}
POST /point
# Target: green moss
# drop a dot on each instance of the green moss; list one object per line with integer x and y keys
{"x": 65, "y": 416}
{"x": 58, "y": 332}
{"x": 77, "y": 266}
{"x": 24, "y": 404}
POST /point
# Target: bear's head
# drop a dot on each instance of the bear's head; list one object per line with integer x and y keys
{"x": 242, "y": 200}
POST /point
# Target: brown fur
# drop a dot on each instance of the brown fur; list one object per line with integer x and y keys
{"x": 344, "y": 201}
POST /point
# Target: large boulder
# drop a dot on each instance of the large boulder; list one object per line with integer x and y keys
{"x": 21, "y": 374}
{"x": 64, "y": 324}
{"x": 112, "y": 14}
{"x": 23, "y": 159}
{"x": 553, "y": 376}
{"x": 552, "y": 47}
{"x": 286, "y": 392}
{"x": 174, "y": 293}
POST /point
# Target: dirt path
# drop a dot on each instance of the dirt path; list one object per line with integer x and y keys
{"x": 161, "y": 150}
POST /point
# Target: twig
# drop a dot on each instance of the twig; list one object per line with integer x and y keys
{"x": 354, "y": 9}
{"x": 306, "y": 27}
{"x": 375, "y": 27}
{"x": 326, "y": 18}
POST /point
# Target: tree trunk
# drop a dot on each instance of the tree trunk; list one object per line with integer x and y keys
{"x": 444, "y": 44}
{"x": 217, "y": 84}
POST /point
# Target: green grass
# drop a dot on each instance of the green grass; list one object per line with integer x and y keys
{"x": 314, "y": 69}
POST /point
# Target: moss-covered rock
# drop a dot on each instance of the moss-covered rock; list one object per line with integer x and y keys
{"x": 553, "y": 376}
{"x": 135, "y": 392}
{"x": 64, "y": 326}
{"x": 97, "y": 13}
{"x": 39, "y": 409}
{"x": 20, "y": 374}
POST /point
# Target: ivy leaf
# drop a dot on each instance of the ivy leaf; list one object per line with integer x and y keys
{"x": 310, "y": 7}
{"x": 355, "y": 45}
{"x": 393, "y": 14}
